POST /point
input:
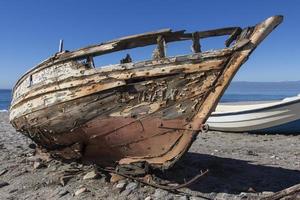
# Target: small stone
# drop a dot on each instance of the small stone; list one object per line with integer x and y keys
{"x": 81, "y": 190}
{"x": 129, "y": 189}
{"x": 148, "y": 198}
{"x": 32, "y": 146}
{"x": 250, "y": 189}
{"x": 63, "y": 193}
{"x": 65, "y": 179}
{"x": 90, "y": 175}
{"x": 121, "y": 184}
{"x": 46, "y": 173}
{"x": 221, "y": 196}
{"x": 30, "y": 154}
{"x": 252, "y": 153}
{"x": 160, "y": 194}
{"x": 198, "y": 198}
{"x": 103, "y": 179}
{"x": 12, "y": 191}
{"x": 3, "y": 172}
{"x": 3, "y": 184}
{"x": 131, "y": 186}
{"x": 115, "y": 178}
{"x": 267, "y": 193}
{"x": 133, "y": 197}
{"x": 243, "y": 195}
{"x": 183, "y": 198}
{"x": 38, "y": 165}
{"x": 125, "y": 193}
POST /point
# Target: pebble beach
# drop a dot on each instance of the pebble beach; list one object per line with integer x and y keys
{"x": 241, "y": 166}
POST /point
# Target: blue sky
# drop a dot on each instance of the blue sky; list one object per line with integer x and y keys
{"x": 30, "y": 31}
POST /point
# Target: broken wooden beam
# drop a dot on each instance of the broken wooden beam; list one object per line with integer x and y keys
{"x": 233, "y": 36}
{"x": 141, "y": 40}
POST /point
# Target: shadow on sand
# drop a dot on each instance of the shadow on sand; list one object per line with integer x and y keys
{"x": 230, "y": 175}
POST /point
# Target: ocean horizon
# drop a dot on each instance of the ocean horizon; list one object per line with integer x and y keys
{"x": 237, "y": 91}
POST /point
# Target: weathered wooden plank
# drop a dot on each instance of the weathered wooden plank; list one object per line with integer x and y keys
{"x": 118, "y": 67}
{"x": 70, "y": 91}
{"x": 59, "y": 76}
{"x": 140, "y": 41}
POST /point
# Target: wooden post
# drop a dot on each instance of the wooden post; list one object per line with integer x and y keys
{"x": 61, "y": 46}
{"x": 160, "y": 51}
{"x": 90, "y": 61}
{"x": 196, "y": 47}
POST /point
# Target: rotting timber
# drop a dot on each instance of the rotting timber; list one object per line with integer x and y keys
{"x": 134, "y": 112}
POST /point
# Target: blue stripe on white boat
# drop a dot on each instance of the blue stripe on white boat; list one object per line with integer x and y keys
{"x": 287, "y": 128}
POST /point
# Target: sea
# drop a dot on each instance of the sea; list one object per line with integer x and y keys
{"x": 238, "y": 91}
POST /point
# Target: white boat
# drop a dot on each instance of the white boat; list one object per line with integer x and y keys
{"x": 282, "y": 116}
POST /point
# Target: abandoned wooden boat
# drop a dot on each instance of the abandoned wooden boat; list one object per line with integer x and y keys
{"x": 281, "y": 116}
{"x": 133, "y": 112}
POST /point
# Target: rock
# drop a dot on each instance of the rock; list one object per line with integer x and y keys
{"x": 32, "y": 146}
{"x": 3, "y": 184}
{"x": 183, "y": 198}
{"x": 223, "y": 196}
{"x": 267, "y": 193}
{"x": 90, "y": 175}
{"x": 81, "y": 190}
{"x": 198, "y": 198}
{"x": 33, "y": 159}
{"x": 148, "y": 198}
{"x": 252, "y": 153}
{"x": 129, "y": 189}
{"x": 126, "y": 193}
{"x": 3, "y": 172}
{"x": 115, "y": 178}
{"x": 250, "y": 189}
{"x": 38, "y": 165}
{"x": 65, "y": 179}
{"x": 133, "y": 197}
{"x": 103, "y": 179}
{"x": 121, "y": 184}
{"x": 160, "y": 194}
{"x": 12, "y": 191}
{"x": 46, "y": 173}
{"x": 132, "y": 186}
{"x": 63, "y": 193}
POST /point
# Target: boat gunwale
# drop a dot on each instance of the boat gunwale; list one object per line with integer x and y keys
{"x": 203, "y": 56}
{"x": 56, "y": 58}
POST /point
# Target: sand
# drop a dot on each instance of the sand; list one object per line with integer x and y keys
{"x": 242, "y": 166}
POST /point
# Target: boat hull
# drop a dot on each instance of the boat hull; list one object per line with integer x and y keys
{"x": 277, "y": 117}
{"x": 148, "y": 111}
{"x": 147, "y": 119}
